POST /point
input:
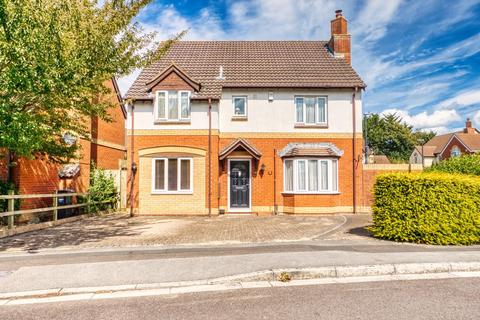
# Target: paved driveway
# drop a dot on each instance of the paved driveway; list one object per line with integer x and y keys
{"x": 119, "y": 230}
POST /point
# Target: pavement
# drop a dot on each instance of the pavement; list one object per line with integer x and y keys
{"x": 415, "y": 299}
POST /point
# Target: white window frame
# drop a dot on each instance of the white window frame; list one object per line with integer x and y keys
{"x": 317, "y": 114}
{"x": 179, "y": 106}
{"x": 332, "y": 176}
{"x": 165, "y": 177}
{"x": 245, "y": 98}
{"x": 455, "y": 152}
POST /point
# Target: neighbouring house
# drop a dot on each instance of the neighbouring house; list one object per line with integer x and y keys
{"x": 106, "y": 149}
{"x": 378, "y": 159}
{"x": 447, "y": 145}
{"x": 260, "y": 127}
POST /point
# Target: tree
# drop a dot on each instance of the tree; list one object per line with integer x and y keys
{"x": 391, "y": 136}
{"x": 55, "y": 57}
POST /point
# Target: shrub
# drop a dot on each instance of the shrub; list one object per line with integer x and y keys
{"x": 466, "y": 164}
{"x": 6, "y": 186}
{"x": 431, "y": 208}
{"x": 103, "y": 193}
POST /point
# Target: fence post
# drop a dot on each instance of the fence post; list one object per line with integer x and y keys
{"x": 88, "y": 203}
{"x": 55, "y": 205}
{"x": 11, "y": 207}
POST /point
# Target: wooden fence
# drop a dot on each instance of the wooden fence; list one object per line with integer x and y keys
{"x": 11, "y": 212}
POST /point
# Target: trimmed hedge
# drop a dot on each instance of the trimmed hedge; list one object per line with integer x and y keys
{"x": 431, "y": 208}
{"x": 466, "y": 164}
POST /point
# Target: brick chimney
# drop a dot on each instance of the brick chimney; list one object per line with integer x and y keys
{"x": 469, "y": 129}
{"x": 340, "y": 38}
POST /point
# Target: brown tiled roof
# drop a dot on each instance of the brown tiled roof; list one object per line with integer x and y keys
{"x": 438, "y": 143}
{"x": 242, "y": 143}
{"x": 472, "y": 141}
{"x": 381, "y": 159}
{"x": 310, "y": 150}
{"x": 268, "y": 64}
{"x": 428, "y": 151}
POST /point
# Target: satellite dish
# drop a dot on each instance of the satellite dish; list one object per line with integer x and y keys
{"x": 69, "y": 139}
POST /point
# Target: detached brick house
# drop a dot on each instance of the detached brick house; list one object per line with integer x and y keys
{"x": 448, "y": 145}
{"x": 106, "y": 148}
{"x": 248, "y": 126}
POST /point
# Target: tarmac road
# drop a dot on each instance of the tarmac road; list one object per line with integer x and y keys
{"x": 420, "y": 299}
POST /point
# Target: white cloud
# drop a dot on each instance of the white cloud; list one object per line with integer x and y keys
{"x": 425, "y": 120}
{"x": 465, "y": 98}
{"x": 476, "y": 119}
{"x": 374, "y": 18}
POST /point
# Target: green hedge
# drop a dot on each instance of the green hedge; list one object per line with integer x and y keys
{"x": 466, "y": 164}
{"x": 432, "y": 208}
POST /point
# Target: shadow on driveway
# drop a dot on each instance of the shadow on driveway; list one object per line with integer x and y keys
{"x": 89, "y": 230}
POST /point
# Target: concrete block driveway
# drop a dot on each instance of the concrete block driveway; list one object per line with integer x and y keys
{"x": 119, "y": 230}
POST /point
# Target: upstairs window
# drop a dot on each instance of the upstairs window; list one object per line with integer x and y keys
{"x": 310, "y": 110}
{"x": 455, "y": 152}
{"x": 239, "y": 106}
{"x": 172, "y": 105}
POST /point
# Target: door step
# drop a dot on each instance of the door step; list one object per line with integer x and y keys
{"x": 241, "y": 213}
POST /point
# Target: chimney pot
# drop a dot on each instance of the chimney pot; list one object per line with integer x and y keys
{"x": 338, "y": 13}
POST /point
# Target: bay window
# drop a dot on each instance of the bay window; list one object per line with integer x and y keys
{"x": 172, "y": 175}
{"x": 310, "y": 110}
{"x": 172, "y": 105}
{"x": 311, "y": 175}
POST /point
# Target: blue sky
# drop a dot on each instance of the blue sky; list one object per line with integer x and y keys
{"x": 420, "y": 59}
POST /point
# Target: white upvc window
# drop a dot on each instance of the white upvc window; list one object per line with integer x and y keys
{"x": 311, "y": 110}
{"x": 172, "y": 105}
{"x": 239, "y": 106}
{"x": 172, "y": 175}
{"x": 311, "y": 175}
{"x": 455, "y": 152}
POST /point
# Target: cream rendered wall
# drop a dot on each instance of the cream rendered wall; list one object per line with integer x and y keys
{"x": 263, "y": 116}
{"x": 428, "y": 161}
{"x": 144, "y": 117}
{"x": 279, "y": 115}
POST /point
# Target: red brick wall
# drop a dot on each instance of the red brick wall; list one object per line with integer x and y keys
{"x": 109, "y": 135}
{"x": 369, "y": 178}
{"x": 262, "y": 186}
{"x": 3, "y": 166}
{"x": 448, "y": 149}
{"x": 40, "y": 176}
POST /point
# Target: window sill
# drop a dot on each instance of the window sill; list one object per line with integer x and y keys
{"x": 171, "y": 192}
{"x": 239, "y": 118}
{"x": 307, "y": 126}
{"x": 293, "y": 193}
{"x": 172, "y": 122}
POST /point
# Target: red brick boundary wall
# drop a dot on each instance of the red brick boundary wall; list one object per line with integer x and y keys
{"x": 371, "y": 171}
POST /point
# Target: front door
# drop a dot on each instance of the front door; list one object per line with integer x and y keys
{"x": 239, "y": 184}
